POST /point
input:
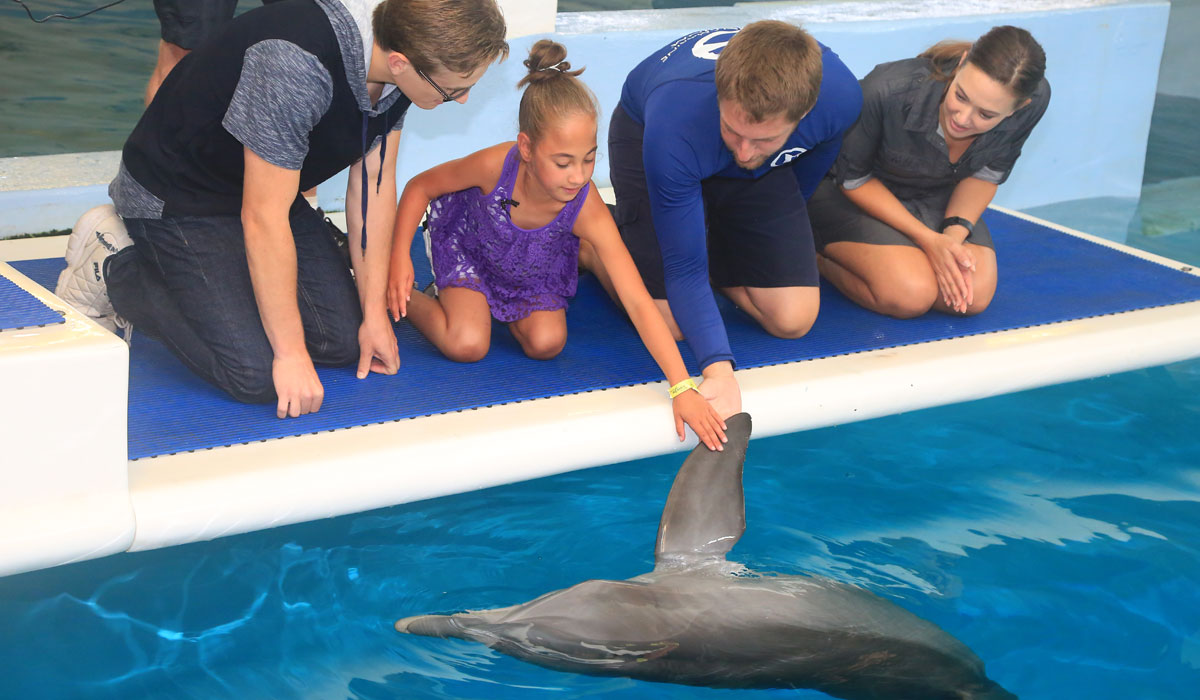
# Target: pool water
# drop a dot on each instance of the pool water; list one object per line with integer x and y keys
{"x": 1055, "y": 531}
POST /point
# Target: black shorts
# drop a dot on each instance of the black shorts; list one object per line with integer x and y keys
{"x": 835, "y": 219}
{"x": 757, "y": 230}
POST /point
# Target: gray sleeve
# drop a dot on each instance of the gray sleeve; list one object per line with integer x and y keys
{"x": 282, "y": 93}
{"x": 998, "y": 170}
{"x": 856, "y": 161}
{"x": 855, "y": 183}
{"x": 989, "y": 174}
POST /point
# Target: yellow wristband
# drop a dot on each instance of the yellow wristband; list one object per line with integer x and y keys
{"x": 683, "y": 386}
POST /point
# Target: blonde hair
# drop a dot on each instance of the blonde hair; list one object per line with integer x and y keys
{"x": 458, "y": 35}
{"x": 770, "y": 68}
{"x": 1009, "y": 55}
{"x": 552, "y": 89}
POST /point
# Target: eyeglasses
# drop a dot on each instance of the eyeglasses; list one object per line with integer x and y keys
{"x": 446, "y": 96}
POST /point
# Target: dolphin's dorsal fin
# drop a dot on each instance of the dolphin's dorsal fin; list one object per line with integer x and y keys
{"x": 706, "y": 511}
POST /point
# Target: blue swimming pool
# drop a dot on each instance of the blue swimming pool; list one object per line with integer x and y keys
{"x": 1056, "y": 531}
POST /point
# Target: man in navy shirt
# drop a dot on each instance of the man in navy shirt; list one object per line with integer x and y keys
{"x": 718, "y": 140}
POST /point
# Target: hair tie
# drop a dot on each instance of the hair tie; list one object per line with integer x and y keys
{"x": 553, "y": 67}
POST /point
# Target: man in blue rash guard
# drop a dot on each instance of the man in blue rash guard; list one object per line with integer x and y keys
{"x": 718, "y": 140}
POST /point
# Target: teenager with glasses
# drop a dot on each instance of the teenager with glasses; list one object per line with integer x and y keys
{"x": 229, "y": 266}
{"x": 451, "y": 96}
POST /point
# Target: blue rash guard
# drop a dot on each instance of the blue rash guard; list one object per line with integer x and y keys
{"x": 673, "y": 95}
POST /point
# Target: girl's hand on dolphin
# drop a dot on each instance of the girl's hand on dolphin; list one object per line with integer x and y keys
{"x": 692, "y": 408}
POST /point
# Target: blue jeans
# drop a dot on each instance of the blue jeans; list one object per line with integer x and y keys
{"x": 186, "y": 282}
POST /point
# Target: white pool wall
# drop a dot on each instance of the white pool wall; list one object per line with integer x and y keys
{"x": 1102, "y": 62}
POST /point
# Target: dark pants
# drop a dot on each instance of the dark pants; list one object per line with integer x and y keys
{"x": 186, "y": 282}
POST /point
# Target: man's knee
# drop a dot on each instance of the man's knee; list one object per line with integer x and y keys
{"x": 331, "y": 334}
{"x": 790, "y": 323}
{"x": 249, "y": 382}
{"x": 786, "y": 312}
{"x": 337, "y": 351}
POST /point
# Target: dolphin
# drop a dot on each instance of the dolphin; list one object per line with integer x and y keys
{"x": 699, "y": 619}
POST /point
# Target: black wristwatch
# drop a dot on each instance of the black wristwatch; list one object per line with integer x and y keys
{"x": 957, "y": 220}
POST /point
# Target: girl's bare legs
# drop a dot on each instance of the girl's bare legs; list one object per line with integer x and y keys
{"x": 458, "y": 322}
{"x": 542, "y": 334}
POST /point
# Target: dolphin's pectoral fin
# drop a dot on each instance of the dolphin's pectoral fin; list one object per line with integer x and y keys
{"x": 639, "y": 652}
{"x": 547, "y": 646}
{"x": 430, "y": 626}
{"x": 586, "y": 657}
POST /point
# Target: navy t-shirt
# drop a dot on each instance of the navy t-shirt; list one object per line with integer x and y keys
{"x": 673, "y": 95}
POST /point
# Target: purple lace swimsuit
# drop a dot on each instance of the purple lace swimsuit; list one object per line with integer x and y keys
{"x": 475, "y": 245}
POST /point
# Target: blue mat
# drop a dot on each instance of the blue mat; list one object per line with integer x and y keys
{"x": 20, "y": 309}
{"x": 1045, "y": 277}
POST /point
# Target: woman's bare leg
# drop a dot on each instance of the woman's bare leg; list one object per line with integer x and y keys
{"x": 894, "y": 280}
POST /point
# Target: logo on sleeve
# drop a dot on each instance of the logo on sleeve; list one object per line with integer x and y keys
{"x": 709, "y": 47}
{"x": 787, "y": 156}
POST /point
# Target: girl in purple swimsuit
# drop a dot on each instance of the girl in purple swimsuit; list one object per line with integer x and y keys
{"x": 505, "y": 225}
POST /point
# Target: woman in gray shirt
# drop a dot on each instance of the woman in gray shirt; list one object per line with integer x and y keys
{"x": 897, "y": 225}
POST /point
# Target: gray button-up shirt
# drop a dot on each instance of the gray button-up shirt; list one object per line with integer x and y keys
{"x": 899, "y": 140}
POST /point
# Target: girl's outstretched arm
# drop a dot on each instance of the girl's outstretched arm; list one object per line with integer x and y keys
{"x": 480, "y": 169}
{"x": 596, "y": 226}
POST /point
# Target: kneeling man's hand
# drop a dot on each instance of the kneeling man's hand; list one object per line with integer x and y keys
{"x": 377, "y": 350}
{"x": 297, "y": 386}
{"x": 721, "y": 389}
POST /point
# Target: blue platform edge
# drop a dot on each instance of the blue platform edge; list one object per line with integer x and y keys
{"x": 20, "y": 309}
{"x": 1046, "y": 276}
